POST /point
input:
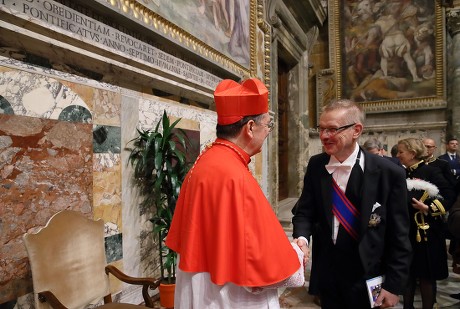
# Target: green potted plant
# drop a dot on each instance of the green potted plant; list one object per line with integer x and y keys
{"x": 158, "y": 158}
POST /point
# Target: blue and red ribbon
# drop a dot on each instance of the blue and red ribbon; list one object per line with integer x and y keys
{"x": 345, "y": 211}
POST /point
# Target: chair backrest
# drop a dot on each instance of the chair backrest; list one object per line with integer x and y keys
{"x": 67, "y": 257}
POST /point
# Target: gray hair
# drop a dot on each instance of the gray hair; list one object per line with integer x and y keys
{"x": 372, "y": 143}
{"x": 354, "y": 111}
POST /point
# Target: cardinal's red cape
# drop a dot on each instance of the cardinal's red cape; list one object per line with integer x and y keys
{"x": 224, "y": 225}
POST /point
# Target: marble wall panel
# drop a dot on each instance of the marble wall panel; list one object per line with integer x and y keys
{"x": 107, "y": 168}
{"x": 107, "y": 107}
{"x": 151, "y": 110}
{"x": 45, "y": 166}
{"x": 42, "y": 96}
{"x": 61, "y": 147}
{"x": 10, "y": 64}
{"x": 106, "y": 139}
{"x": 130, "y": 212}
{"x": 113, "y": 248}
{"x": 37, "y": 95}
{"x": 36, "y": 99}
{"x": 5, "y": 106}
{"x": 107, "y": 178}
{"x": 107, "y": 193}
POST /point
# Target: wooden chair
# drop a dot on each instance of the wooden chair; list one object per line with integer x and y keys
{"x": 69, "y": 268}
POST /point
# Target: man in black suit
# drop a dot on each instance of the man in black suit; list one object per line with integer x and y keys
{"x": 394, "y": 153}
{"x": 453, "y": 160}
{"x": 454, "y": 218}
{"x": 373, "y": 145}
{"x": 453, "y": 223}
{"x": 452, "y": 157}
{"x": 442, "y": 165}
{"x": 361, "y": 234}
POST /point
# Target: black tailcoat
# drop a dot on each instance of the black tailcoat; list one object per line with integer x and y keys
{"x": 382, "y": 249}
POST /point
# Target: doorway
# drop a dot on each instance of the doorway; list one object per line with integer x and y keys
{"x": 283, "y": 131}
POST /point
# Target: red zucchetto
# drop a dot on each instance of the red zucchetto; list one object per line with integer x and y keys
{"x": 234, "y": 101}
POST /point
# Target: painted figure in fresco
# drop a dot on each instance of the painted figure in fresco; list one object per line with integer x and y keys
{"x": 380, "y": 87}
{"x": 232, "y": 18}
{"x": 219, "y": 11}
{"x": 423, "y": 54}
{"x": 362, "y": 44}
{"x": 239, "y": 38}
{"x": 395, "y": 42}
{"x": 394, "y": 37}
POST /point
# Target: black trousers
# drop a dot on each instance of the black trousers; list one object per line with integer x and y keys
{"x": 342, "y": 284}
{"x": 342, "y": 294}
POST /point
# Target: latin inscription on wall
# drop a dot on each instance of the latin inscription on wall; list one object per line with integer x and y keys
{"x": 70, "y": 22}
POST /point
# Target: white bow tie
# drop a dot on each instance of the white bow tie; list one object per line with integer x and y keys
{"x": 331, "y": 168}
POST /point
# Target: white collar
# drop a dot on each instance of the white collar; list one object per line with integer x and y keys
{"x": 345, "y": 165}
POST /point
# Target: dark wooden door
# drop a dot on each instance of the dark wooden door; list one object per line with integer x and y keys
{"x": 282, "y": 130}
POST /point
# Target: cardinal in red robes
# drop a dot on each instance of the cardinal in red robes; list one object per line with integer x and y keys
{"x": 232, "y": 250}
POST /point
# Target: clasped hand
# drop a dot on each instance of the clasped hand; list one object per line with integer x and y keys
{"x": 304, "y": 247}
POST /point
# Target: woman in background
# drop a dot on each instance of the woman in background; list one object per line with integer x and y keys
{"x": 429, "y": 197}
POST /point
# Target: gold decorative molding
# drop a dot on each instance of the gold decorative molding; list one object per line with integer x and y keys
{"x": 149, "y": 18}
{"x": 403, "y": 105}
{"x": 266, "y": 29}
{"x": 436, "y": 125}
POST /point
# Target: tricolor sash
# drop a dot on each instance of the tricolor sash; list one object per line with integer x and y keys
{"x": 345, "y": 211}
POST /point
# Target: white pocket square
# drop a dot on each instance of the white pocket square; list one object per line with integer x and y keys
{"x": 376, "y": 205}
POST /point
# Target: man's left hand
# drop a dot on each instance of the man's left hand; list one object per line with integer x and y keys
{"x": 304, "y": 247}
{"x": 386, "y": 299}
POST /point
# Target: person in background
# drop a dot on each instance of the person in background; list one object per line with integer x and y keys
{"x": 372, "y": 145}
{"x": 232, "y": 250}
{"x": 453, "y": 224}
{"x": 394, "y": 155}
{"x": 354, "y": 205}
{"x": 426, "y": 185}
{"x": 394, "y": 151}
{"x": 444, "y": 167}
{"x": 453, "y": 221}
{"x": 431, "y": 160}
{"x": 452, "y": 157}
{"x": 383, "y": 150}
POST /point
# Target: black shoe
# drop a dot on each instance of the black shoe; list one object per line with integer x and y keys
{"x": 456, "y": 296}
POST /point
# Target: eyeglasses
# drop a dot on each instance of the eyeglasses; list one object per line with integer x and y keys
{"x": 429, "y": 146}
{"x": 333, "y": 131}
{"x": 269, "y": 125}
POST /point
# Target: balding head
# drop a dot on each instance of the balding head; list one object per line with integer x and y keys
{"x": 430, "y": 146}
